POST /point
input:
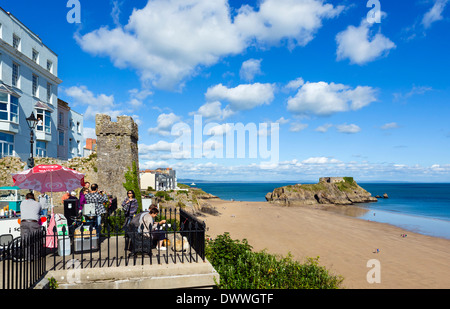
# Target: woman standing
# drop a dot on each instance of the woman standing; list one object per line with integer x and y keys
{"x": 130, "y": 206}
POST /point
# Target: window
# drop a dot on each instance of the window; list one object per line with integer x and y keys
{"x": 15, "y": 74}
{"x": 16, "y": 42}
{"x": 41, "y": 149}
{"x": 61, "y": 138}
{"x": 9, "y": 107}
{"x": 6, "y": 144}
{"x": 61, "y": 118}
{"x": 78, "y": 148}
{"x": 44, "y": 121}
{"x": 49, "y": 92}
{"x": 4, "y": 102}
{"x": 35, "y": 85}
{"x": 35, "y": 55}
{"x": 78, "y": 127}
{"x": 14, "y": 109}
{"x": 49, "y": 65}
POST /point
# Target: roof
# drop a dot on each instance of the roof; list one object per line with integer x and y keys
{"x": 7, "y": 89}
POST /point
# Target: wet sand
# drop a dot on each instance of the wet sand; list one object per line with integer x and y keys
{"x": 344, "y": 244}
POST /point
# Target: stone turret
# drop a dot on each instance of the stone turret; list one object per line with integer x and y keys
{"x": 117, "y": 149}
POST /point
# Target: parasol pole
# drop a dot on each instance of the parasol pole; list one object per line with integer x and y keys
{"x": 51, "y": 193}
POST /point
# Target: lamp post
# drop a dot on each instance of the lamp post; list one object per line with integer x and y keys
{"x": 32, "y": 121}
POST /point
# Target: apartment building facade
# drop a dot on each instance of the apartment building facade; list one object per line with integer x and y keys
{"x": 70, "y": 132}
{"x": 29, "y": 84}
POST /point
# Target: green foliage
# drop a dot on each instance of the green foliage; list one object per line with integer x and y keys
{"x": 132, "y": 183}
{"x": 115, "y": 223}
{"x": 164, "y": 194}
{"x": 52, "y": 283}
{"x": 240, "y": 268}
{"x": 347, "y": 185}
{"x": 183, "y": 186}
{"x": 349, "y": 180}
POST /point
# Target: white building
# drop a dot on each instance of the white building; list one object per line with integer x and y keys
{"x": 70, "y": 132}
{"x": 162, "y": 179}
{"x": 28, "y": 84}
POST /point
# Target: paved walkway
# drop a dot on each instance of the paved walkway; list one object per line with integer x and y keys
{"x": 112, "y": 253}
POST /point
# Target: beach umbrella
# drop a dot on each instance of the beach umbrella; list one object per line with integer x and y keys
{"x": 49, "y": 177}
{"x": 53, "y": 178}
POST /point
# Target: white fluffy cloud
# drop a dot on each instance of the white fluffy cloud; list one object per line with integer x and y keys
{"x": 250, "y": 69}
{"x": 213, "y": 111}
{"x": 325, "y": 99}
{"x": 434, "y": 14}
{"x": 101, "y": 103}
{"x": 168, "y": 41}
{"x": 390, "y": 125}
{"x": 164, "y": 124}
{"x": 293, "y": 20}
{"x": 359, "y": 46}
{"x": 244, "y": 96}
{"x": 348, "y": 128}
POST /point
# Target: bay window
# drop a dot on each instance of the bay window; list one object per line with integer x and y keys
{"x": 44, "y": 120}
{"x": 9, "y": 107}
{"x": 6, "y": 144}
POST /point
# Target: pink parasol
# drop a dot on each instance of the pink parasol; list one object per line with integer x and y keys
{"x": 45, "y": 178}
{"x": 53, "y": 178}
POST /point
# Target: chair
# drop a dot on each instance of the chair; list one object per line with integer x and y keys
{"x": 5, "y": 239}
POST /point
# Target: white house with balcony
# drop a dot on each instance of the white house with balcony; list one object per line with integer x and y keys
{"x": 28, "y": 84}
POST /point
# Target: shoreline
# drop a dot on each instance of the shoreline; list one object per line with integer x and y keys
{"x": 344, "y": 245}
{"x": 359, "y": 212}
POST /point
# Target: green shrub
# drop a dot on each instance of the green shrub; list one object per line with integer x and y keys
{"x": 240, "y": 268}
{"x": 164, "y": 194}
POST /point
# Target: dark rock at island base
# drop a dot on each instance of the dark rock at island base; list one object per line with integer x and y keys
{"x": 338, "y": 191}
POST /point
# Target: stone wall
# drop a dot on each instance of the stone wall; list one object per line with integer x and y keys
{"x": 85, "y": 165}
{"x": 331, "y": 179}
{"x": 117, "y": 149}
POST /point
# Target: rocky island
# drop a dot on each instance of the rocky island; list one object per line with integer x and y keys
{"x": 329, "y": 190}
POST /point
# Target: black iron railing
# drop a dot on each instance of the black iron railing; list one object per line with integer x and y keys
{"x": 24, "y": 262}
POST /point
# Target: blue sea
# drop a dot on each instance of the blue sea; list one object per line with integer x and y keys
{"x": 418, "y": 207}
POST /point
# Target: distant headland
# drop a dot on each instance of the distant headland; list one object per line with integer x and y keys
{"x": 329, "y": 190}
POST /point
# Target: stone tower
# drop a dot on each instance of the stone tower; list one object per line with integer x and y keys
{"x": 116, "y": 150}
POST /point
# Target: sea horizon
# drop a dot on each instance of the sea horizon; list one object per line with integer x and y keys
{"x": 421, "y": 207}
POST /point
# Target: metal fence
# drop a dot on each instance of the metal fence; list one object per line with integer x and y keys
{"x": 26, "y": 261}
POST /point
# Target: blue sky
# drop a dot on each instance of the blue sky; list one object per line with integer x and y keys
{"x": 352, "y": 96}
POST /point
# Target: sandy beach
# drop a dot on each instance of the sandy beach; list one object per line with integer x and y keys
{"x": 344, "y": 244}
